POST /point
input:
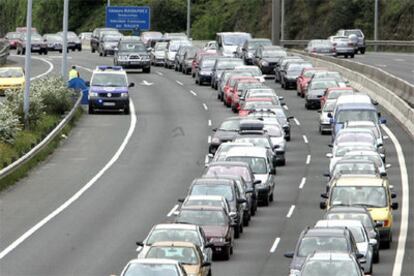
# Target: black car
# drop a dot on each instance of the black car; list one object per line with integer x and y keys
{"x": 321, "y": 239}
{"x": 282, "y": 63}
{"x": 249, "y": 48}
{"x": 179, "y": 57}
{"x": 266, "y": 58}
{"x": 204, "y": 70}
{"x": 224, "y": 187}
{"x": 188, "y": 59}
{"x": 225, "y": 133}
{"x": 316, "y": 90}
{"x": 132, "y": 54}
{"x": 358, "y": 213}
{"x": 291, "y": 72}
{"x": 96, "y": 37}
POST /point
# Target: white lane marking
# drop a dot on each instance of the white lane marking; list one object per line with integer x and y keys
{"x": 173, "y": 210}
{"x": 144, "y": 82}
{"x": 41, "y": 59}
{"x": 205, "y": 106}
{"x": 78, "y": 194}
{"x": 206, "y": 159}
{"x": 302, "y": 183}
{"x": 286, "y": 107}
{"x": 275, "y": 244}
{"x": 402, "y": 237}
{"x": 308, "y": 159}
{"x": 296, "y": 121}
{"x": 399, "y": 59}
{"x": 84, "y": 68}
{"x": 289, "y": 214}
{"x": 209, "y": 122}
{"x": 381, "y": 65}
{"x": 160, "y": 73}
{"x": 179, "y": 82}
{"x": 209, "y": 139}
{"x": 305, "y": 139}
{"x": 194, "y": 93}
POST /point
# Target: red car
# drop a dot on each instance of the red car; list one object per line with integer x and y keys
{"x": 228, "y": 89}
{"x": 334, "y": 92}
{"x": 238, "y": 88}
{"x": 252, "y": 104}
{"x": 304, "y": 78}
{"x": 12, "y": 38}
{"x": 197, "y": 59}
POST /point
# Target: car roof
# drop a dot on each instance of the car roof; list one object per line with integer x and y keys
{"x": 329, "y": 232}
{"x": 259, "y": 100}
{"x": 201, "y": 208}
{"x": 212, "y": 180}
{"x": 329, "y": 255}
{"x": 154, "y": 261}
{"x": 359, "y": 180}
{"x": 173, "y": 244}
{"x": 354, "y": 106}
{"x": 175, "y": 226}
{"x": 206, "y": 197}
{"x": 229, "y": 164}
{"x": 247, "y": 151}
{"x": 338, "y": 223}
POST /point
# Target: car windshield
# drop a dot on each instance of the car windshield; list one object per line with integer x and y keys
{"x": 204, "y": 202}
{"x": 258, "y": 105}
{"x": 168, "y": 234}
{"x": 357, "y": 115}
{"x": 216, "y": 189}
{"x": 229, "y": 170}
{"x": 322, "y": 43}
{"x": 256, "y": 141}
{"x": 358, "y": 233}
{"x": 342, "y": 150}
{"x": 12, "y": 35}
{"x": 274, "y": 53}
{"x": 236, "y": 40}
{"x": 257, "y": 164}
{"x": 374, "y": 197}
{"x": 203, "y": 217}
{"x": 322, "y": 84}
{"x": 334, "y": 94}
{"x": 228, "y": 64}
{"x": 185, "y": 255}
{"x": 111, "y": 38}
{"x": 230, "y": 125}
{"x": 137, "y": 269}
{"x": 253, "y": 44}
{"x": 354, "y": 32}
{"x": 329, "y": 267}
{"x": 363, "y": 218}
{"x": 354, "y": 137}
{"x": 10, "y": 73}
{"x": 308, "y": 245}
{"x": 111, "y": 80}
{"x": 329, "y": 106}
{"x": 132, "y": 47}
{"x": 207, "y": 63}
{"x": 354, "y": 168}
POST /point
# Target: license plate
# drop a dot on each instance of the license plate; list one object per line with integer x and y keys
{"x": 36, "y": 48}
{"x": 135, "y": 62}
{"x": 109, "y": 104}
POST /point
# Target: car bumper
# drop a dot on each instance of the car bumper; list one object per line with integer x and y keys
{"x": 384, "y": 233}
{"x": 205, "y": 78}
{"x": 325, "y": 127}
{"x": 280, "y": 156}
{"x": 313, "y": 103}
{"x": 268, "y": 70}
{"x": 134, "y": 64}
{"x": 263, "y": 192}
{"x": 348, "y": 51}
{"x": 290, "y": 82}
{"x": 108, "y": 103}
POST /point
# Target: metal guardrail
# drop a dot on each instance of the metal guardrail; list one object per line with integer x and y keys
{"x": 28, "y": 156}
{"x": 399, "y": 43}
{"x": 4, "y": 51}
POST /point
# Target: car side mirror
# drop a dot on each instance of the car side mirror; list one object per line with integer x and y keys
{"x": 276, "y": 147}
{"x": 373, "y": 242}
{"x": 131, "y": 84}
{"x": 206, "y": 264}
{"x": 256, "y": 182}
{"x": 214, "y": 129}
{"x": 273, "y": 171}
{"x": 322, "y": 205}
{"x": 394, "y": 205}
{"x": 289, "y": 255}
{"x": 329, "y": 115}
{"x": 290, "y": 117}
{"x": 330, "y": 145}
{"x": 139, "y": 243}
{"x": 209, "y": 245}
{"x": 181, "y": 200}
{"x": 149, "y": 49}
{"x": 383, "y": 174}
{"x": 241, "y": 200}
{"x": 88, "y": 83}
{"x": 324, "y": 195}
{"x": 281, "y": 98}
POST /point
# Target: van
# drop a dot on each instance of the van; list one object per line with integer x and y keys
{"x": 228, "y": 42}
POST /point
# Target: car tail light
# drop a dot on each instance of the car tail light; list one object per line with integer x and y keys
{"x": 386, "y": 223}
{"x": 334, "y": 44}
{"x": 350, "y": 44}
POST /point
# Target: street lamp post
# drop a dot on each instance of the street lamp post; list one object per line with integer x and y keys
{"x": 376, "y": 24}
{"x": 27, "y": 64}
{"x": 64, "y": 72}
{"x": 276, "y": 22}
{"x": 188, "y": 17}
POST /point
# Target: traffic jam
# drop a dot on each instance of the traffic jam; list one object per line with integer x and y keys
{"x": 247, "y": 148}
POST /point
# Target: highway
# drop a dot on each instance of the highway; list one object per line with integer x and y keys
{"x": 135, "y": 172}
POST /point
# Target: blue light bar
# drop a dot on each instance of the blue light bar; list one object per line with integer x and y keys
{"x": 107, "y": 67}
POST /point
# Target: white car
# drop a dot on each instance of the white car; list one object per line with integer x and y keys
{"x": 324, "y": 121}
{"x": 155, "y": 267}
{"x": 339, "y": 151}
{"x": 369, "y": 155}
{"x": 256, "y": 72}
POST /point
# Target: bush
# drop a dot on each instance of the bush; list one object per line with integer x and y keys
{"x": 9, "y": 124}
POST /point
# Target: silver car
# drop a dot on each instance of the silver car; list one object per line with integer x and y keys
{"x": 359, "y": 35}
{"x": 343, "y": 45}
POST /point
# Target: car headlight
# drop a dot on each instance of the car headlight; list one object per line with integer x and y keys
{"x": 122, "y": 57}
{"x": 93, "y": 94}
{"x": 217, "y": 239}
{"x": 215, "y": 140}
{"x": 265, "y": 63}
{"x": 124, "y": 95}
{"x": 294, "y": 272}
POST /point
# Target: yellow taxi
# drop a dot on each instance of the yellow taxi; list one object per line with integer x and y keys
{"x": 369, "y": 191}
{"x": 188, "y": 254}
{"x": 11, "y": 78}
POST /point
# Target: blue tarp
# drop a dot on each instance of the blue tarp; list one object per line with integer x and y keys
{"x": 79, "y": 84}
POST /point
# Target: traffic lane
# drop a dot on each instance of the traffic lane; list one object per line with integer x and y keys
{"x": 97, "y": 234}
{"x": 252, "y": 254}
{"x": 398, "y": 64}
{"x": 38, "y": 66}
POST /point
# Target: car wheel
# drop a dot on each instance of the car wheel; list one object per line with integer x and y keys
{"x": 193, "y": 75}
{"x": 226, "y": 254}
{"x": 219, "y": 96}
{"x": 245, "y": 221}
{"x": 253, "y": 211}
{"x": 283, "y": 162}
{"x": 241, "y": 227}
{"x": 147, "y": 70}
{"x": 376, "y": 257}
{"x": 209, "y": 273}
{"x": 362, "y": 51}
{"x": 105, "y": 53}
{"x": 100, "y": 53}
{"x": 265, "y": 201}
{"x": 352, "y": 56}
{"x": 93, "y": 50}
{"x": 126, "y": 110}
{"x": 271, "y": 198}
{"x": 237, "y": 232}
{"x": 234, "y": 109}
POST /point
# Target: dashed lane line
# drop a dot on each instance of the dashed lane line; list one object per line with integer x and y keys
{"x": 296, "y": 121}
{"x": 302, "y": 183}
{"x": 173, "y": 210}
{"x": 308, "y": 159}
{"x": 194, "y": 93}
{"x": 305, "y": 139}
{"x": 205, "y": 106}
{"x": 275, "y": 244}
{"x": 289, "y": 214}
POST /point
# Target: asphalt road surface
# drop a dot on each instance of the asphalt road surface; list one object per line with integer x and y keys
{"x": 96, "y": 234}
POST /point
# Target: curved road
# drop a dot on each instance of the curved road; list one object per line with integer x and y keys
{"x": 96, "y": 234}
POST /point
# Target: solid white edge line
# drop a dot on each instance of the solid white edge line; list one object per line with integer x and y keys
{"x": 402, "y": 237}
{"x": 206, "y": 159}
{"x": 179, "y": 82}
{"x": 205, "y": 106}
{"x": 84, "y": 68}
{"x": 275, "y": 244}
{"x": 41, "y": 59}
{"x": 305, "y": 139}
{"x": 302, "y": 183}
{"x": 296, "y": 121}
{"x": 173, "y": 210}
{"x": 78, "y": 194}
{"x": 209, "y": 122}
{"x": 192, "y": 92}
{"x": 289, "y": 214}
{"x": 286, "y": 107}
{"x": 308, "y": 159}
{"x": 160, "y": 73}
{"x": 209, "y": 139}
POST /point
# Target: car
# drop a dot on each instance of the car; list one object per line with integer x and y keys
{"x": 85, "y": 36}
{"x": 216, "y": 224}
{"x": 154, "y": 267}
{"x": 360, "y": 41}
{"x": 372, "y": 192}
{"x": 74, "y": 43}
{"x": 54, "y": 42}
{"x": 175, "y": 36}
{"x": 226, "y": 187}
{"x": 221, "y": 65}
{"x": 12, "y": 38}
{"x": 303, "y": 80}
{"x": 374, "y": 156}
{"x": 277, "y": 137}
{"x": 342, "y": 82}
{"x": 188, "y": 59}
{"x": 266, "y": 58}
{"x": 240, "y": 87}
{"x": 97, "y": 34}
{"x": 179, "y": 57}
{"x": 158, "y": 53}
{"x": 205, "y": 200}
{"x": 197, "y": 59}
{"x": 210, "y": 46}
{"x": 357, "y": 213}
{"x": 321, "y": 239}
{"x": 325, "y": 126}
{"x": 227, "y": 93}
{"x": 11, "y": 78}
{"x": 343, "y": 46}
{"x": 37, "y": 44}
{"x": 291, "y": 72}
{"x": 249, "y": 47}
{"x": 263, "y": 92}
{"x": 376, "y": 129}
{"x": 187, "y": 254}
{"x": 256, "y": 104}
{"x": 260, "y": 161}
{"x": 109, "y": 89}
{"x": 132, "y": 54}
{"x": 320, "y": 47}
{"x": 220, "y": 154}
{"x": 172, "y": 49}
{"x": 333, "y": 93}
{"x": 227, "y": 80}
{"x": 108, "y": 43}
{"x": 281, "y": 63}
{"x": 226, "y": 132}
{"x": 356, "y": 135}
{"x": 227, "y": 42}
{"x": 315, "y": 91}
{"x": 256, "y": 72}
{"x": 330, "y": 263}
{"x": 176, "y": 232}
{"x": 225, "y": 168}
{"x": 147, "y": 36}
{"x": 276, "y": 115}
{"x": 205, "y": 70}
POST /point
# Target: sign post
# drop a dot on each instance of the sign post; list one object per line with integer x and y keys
{"x": 128, "y": 17}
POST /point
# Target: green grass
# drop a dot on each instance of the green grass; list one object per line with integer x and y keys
{"x": 26, "y": 140}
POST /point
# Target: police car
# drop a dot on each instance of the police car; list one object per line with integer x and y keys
{"x": 109, "y": 89}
